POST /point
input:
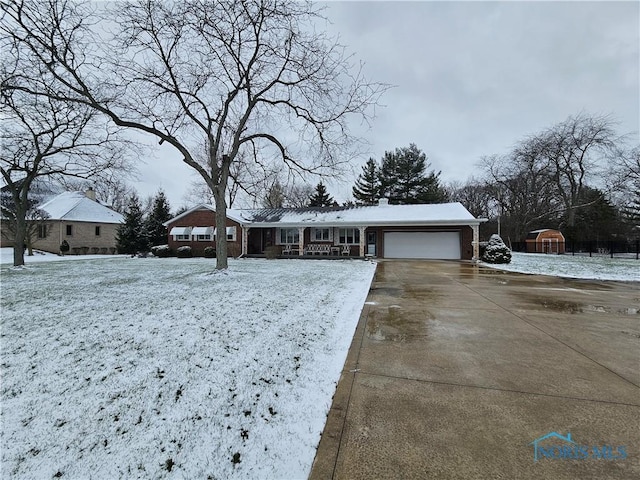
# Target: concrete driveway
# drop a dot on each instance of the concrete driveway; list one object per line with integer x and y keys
{"x": 455, "y": 370}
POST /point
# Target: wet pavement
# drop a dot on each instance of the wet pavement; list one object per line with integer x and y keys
{"x": 455, "y": 369}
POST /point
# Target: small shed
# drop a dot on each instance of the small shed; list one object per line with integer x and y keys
{"x": 545, "y": 240}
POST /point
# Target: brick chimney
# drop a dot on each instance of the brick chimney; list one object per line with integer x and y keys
{"x": 90, "y": 194}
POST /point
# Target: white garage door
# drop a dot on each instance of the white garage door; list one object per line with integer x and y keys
{"x": 435, "y": 245}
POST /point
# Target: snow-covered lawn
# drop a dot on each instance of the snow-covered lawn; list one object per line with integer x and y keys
{"x": 600, "y": 267}
{"x": 6, "y": 257}
{"x": 163, "y": 368}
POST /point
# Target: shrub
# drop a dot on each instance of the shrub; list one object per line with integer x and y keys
{"x": 209, "y": 252}
{"x": 64, "y": 247}
{"x": 184, "y": 252}
{"x": 496, "y": 251}
{"x": 162, "y": 251}
{"x": 271, "y": 252}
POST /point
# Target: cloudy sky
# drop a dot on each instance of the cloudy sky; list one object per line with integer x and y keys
{"x": 472, "y": 78}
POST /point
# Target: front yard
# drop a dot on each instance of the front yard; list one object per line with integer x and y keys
{"x": 163, "y": 368}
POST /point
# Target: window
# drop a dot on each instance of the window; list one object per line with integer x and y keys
{"x": 231, "y": 234}
{"x": 42, "y": 231}
{"x": 181, "y": 234}
{"x": 321, "y": 234}
{"x": 289, "y": 235}
{"x": 202, "y": 234}
{"x": 69, "y": 230}
{"x": 97, "y": 230}
{"x": 349, "y": 236}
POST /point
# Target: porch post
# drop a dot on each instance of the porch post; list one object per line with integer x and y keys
{"x": 476, "y": 242}
{"x": 363, "y": 241}
{"x": 301, "y": 241}
{"x": 245, "y": 239}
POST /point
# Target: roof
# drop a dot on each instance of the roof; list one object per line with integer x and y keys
{"x": 532, "y": 235}
{"x": 374, "y": 215}
{"x": 75, "y": 206}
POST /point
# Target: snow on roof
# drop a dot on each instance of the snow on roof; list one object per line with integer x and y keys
{"x": 439, "y": 213}
{"x": 75, "y": 206}
{"x": 366, "y": 215}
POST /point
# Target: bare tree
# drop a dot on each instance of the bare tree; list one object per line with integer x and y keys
{"x": 521, "y": 190}
{"x": 43, "y": 137}
{"x": 475, "y": 195}
{"x": 110, "y": 190}
{"x": 575, "y": 150}
{"x": 541, "y": 181}
{"x": 297, "y": 195}
{"x": 251, "y": 77}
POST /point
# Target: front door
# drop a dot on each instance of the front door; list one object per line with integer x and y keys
{"x": 371, "y": 243}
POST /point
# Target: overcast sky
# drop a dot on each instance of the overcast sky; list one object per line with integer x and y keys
{"x": 472, "y": 78}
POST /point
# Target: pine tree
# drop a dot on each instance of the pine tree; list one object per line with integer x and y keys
{"x": 367, "y": 188}
{"x": 631, "y": 210}
{"x": 388, "y": 177}
{"x": 131, "y": 237}
{"x": 321, "y": 198}
{"x": 156, "y": 232}
{"x": 403, "y": 178}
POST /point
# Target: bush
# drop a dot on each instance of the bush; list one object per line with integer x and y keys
{"x": 272, "y": 252}
{"x": 162, "y": 251}
{"x": 496, "y": 251}
{"x": 209, "y": 252}
{"x": 184, "y": 252}
{"x": 64, "y": 247}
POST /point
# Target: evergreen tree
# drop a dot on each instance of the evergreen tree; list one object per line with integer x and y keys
{"x": 596, "y": 217}
{"x": 131, "y": 237}
{"x": 321, "y": 198}
{"x": 631, "y": 210}
{"x": 156, "y": 232}
{"x": 404, "y": 180}
{"x": 388, "y": 177}
{"x": 367, "y": 188}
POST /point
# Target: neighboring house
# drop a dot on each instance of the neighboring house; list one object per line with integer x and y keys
{"x": 86, "y": 225}
{"x": 436, "y": 231}
{"x": 545, "y": 240}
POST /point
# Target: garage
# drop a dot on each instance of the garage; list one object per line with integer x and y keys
{"x": 433, "y": 245}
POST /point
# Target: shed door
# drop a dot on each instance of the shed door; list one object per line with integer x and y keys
{"x": 433, "y": 245}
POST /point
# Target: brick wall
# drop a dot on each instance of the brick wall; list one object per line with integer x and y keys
{"x": 204, "y": 218}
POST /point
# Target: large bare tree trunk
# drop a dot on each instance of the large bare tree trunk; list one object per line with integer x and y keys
{"x": 221, "y": 228}
{"x": 19, "y": 238}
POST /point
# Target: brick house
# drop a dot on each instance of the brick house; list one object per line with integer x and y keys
{"x": 437, "y": 231}
{"x": 88, "y": 226}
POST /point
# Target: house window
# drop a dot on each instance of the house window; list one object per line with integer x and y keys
{"x": 97, "y": 230}
{"x": 42, "y": 231}
{"x": 321, "y": 234}
{"x": 349, "y": 236}
{"x": 231, "y": 234}
{"x": 69, "y": 230}
{"x": 202, "y": 234}
{"x": 289, "y": 236}
{"x": 181, "y": 234}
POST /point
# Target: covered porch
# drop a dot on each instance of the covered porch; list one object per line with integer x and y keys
{"x": 302, "y": 241}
